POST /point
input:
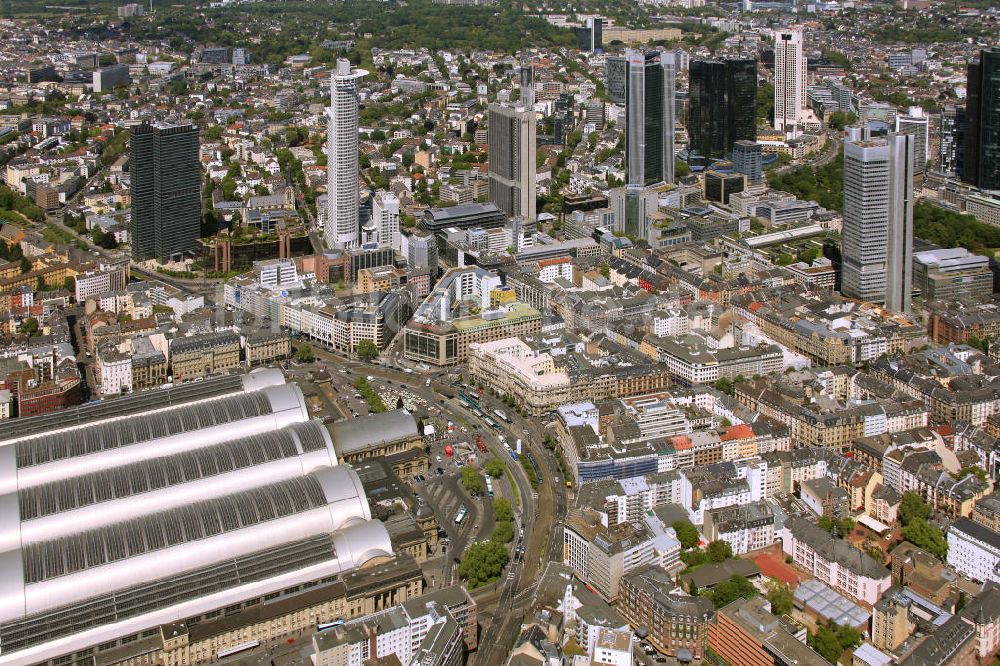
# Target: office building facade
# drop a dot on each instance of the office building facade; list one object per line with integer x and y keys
{"x": 917, "y": 123}
{"x": 166, "y": 190}
{"x": 877, "y": 242}
{"x": 952, "y": 155}
{"x": 789, "y": 80}
{"x": 342, "y": 195}
{"x": 721, "y": 106}
{"x": 512, "y": 167}
{"x": 649, "y": 116}
{"x": 385, "y": 215}
{"x": 748, "y": 159}
{"x": 982, "y": 122}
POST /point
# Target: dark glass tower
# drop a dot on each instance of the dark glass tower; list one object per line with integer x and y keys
{"x": 952, "y": 140}
{"x": 166, "y": 190}
{"x": 982, "y": 122}
{"x": 721, "y": 108}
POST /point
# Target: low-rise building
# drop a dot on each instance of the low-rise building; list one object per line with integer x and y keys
{"x": 974, "y": 550}
{"x": 745, "y": 632}
{"x": 201, "y": 355}
{"x": 834, "y": 561}
{"x": 746, "y": 527}
{"x": 677, "y": 623}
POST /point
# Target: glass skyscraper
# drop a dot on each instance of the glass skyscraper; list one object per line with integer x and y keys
{"x": 877, "y": 235}
{"x": 982, "y": 122}
{"x": 721, "y": 108}
{"x": 645, "y": 82}
{"x": 165, "y": 181}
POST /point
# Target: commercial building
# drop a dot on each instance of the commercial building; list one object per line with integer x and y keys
{"x": 974, "y": 550}
{"x": 385, "y": 216}
{"x": 234, "y": 495}
{"x": 467, "y": 306}
{"x": 745, "y": 632}
{"x": 748, "y": 159}
{"x": 790, "y": 85}
{"x": 429, "y": 630}
{"x": 512, "y": 167}
{"x": 719, "y": 186}
{"x": 952, "y": 132}
{"x": 197, "y": 356}
{"x": 952, "y": 274}
{"x": 464, "y": 216}
{"x": 601, "y": 556}
{"x": 648, "y": 95}
{"x": 690, "y": 360}
{"x": 111, "y": 77}
{"x": 542, "y": 379}
{"x": 677, "y": 624}
{"x": 342, "y": 191}
{"x": 721, "y": 106}
{"x": 165, "y": 183}
{"x": 877, "y": 243}
{"x": 982, "y": 121}
{"x": 916, "y": 123}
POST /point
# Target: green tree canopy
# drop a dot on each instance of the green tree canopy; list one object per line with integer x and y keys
{"x": 780, "y": 597}
{"x": 366, "y": 350}
{"x": 482, "y": 563}
{"x": 730, "y": 590}
{"x": 494, "y": 467}
{"x": 719, "y": 551}
{"x": 305, "y": 354}
{"x": 471, "y": 480}
{"x": 687, "y": 533}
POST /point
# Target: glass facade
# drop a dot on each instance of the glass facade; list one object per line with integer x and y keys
{"x": 165, "y": 179}
{"x": 721, "y": 108}
{"x": 982, "y": 117}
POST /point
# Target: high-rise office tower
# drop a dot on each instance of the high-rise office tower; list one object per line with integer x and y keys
{"x": 596, "y": 26}
{"x": 877, "y": 236}
{"x": 748, "y": 159}
{"x": 342, "y": 194}
{"x": 916, "y": 122}
{"x": 982, "y": 122}
{"x": 165, "y": 181}
{"x": 721, "y": 106}
{"x": 385, "y": 215}
{"x": 645, "y": 82}
{"x": 528, "y": 86}
{"x": 952, "y": 140}
{"x": 512, "y": 168}
{"x": 789, "y": 80}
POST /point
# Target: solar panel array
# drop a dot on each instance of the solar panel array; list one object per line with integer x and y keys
{"x": 158, "y": 473}
{"x": 61, "y": 557}
{"x": 139, "y": 599}
{"x": 117, "y": 434}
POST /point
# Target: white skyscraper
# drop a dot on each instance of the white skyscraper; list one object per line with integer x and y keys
{"x": 385, "y": 215}
{"x": 342, "y": 157}
{"x": 789, "y": 80}
{"x": 877, "y": 242}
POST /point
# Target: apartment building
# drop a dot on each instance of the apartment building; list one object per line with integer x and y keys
{"x": 974, "y": 550}
{"x": 746, "y": 527}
